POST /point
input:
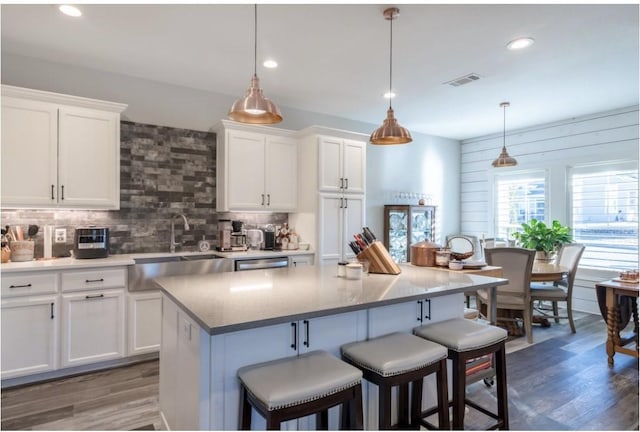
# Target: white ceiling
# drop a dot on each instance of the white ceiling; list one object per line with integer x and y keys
{"x": 334, "y": 58}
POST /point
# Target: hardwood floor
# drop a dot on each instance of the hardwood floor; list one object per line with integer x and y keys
{"x": 561, "y": 382}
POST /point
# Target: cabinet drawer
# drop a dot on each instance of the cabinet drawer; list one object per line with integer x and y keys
{"x": 29, "y": 284}
{"x": 94, "y": 279}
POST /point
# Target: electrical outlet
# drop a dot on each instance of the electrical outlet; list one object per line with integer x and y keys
{"x": 61, "y": 235}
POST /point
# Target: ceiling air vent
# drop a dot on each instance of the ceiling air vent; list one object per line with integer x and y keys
{"x": 463, "y": 80}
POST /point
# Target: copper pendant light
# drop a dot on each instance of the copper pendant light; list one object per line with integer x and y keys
{"x": 504, "y": 160}
{"x": 390, "y": 132}
{"x": 254, "y": 107}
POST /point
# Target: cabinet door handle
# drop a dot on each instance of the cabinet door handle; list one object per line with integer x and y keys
{"x": 346, "y": 203}
{"x": 97, "y": 296}
{"x": 306, "y": 333}
{"x": 421, "y": 310}
{"x": 94, "y": 280}
{"x": 341, "y": 183}
{"x": 20, "y": 286}
{"x": 52, "y": 196}
{"x": 294, "y": 336}
{"x": 51, "y": 310}
{"x": 262, "y": 200}
{"x": 428, "y": 315}
{"x": 268, "y": 199}
{"x": 346, "y": 183}
{"x": 62, "y": 198}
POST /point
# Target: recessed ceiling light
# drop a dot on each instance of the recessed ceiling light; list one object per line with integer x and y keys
{"x": 270, "y": 64}
{"x": 389, "y": 95}
{"x": 70, "y": 10}
{"x": 520, "y": 43}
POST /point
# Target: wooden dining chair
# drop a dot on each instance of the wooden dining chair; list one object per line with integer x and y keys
{"x": 562, "y": 290}
{"x": 517, "y": 264}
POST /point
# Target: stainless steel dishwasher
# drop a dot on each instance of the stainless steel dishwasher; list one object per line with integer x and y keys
{"x": 261, "y": 263}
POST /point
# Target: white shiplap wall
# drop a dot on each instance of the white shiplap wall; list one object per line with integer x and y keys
{"x": 556, "y": 147}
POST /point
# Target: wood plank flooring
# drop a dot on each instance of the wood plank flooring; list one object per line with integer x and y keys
{"x": 561, "y": 382}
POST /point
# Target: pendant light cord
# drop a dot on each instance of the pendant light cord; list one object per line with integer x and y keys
{"x": 255, "y": 39}
{"x": 390, "y": 57}
{"x": 504, "y": 127}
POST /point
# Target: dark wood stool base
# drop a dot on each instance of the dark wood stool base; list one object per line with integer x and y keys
{"x": 350, "y": 399}
{"x": 409, "y": 417}
{"x": 459, "y": 400}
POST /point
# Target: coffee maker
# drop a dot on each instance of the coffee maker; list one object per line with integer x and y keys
{"x": 238, "y": 237}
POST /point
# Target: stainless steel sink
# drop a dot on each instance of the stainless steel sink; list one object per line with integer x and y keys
{"x": 142, "y": 273}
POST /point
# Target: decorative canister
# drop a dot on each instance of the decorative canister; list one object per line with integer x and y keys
{"x": 442, "y": 257}
{"x": 354, "y": 271}
{"x": 423, "y": 254}
{"x": 22, "y": 250}
{"x": 342, "y": 269}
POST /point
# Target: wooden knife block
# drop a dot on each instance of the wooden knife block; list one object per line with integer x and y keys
{"x": 379, "y": 259}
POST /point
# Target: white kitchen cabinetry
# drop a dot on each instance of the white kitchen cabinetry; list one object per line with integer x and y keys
{"x": 93, "y": 310}
{"x": 301, "y": 260}
{"x": 285, "y": 340}
{"x": 340, "y": 217}
{"x": 182, "y": 387}
{"x": 30, "y": 317}
{"x": 256, "y": 168}
{"x": 331, "y": 193}
{"x": 342, "y": 165}
{"x": 69, "y": 146}
{"x": 29, "y": 335}
{"x": 144, "y": 319}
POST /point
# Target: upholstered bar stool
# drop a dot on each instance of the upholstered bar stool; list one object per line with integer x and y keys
{"x": 466, "y": 340}
{"x": 399, "y": 359}
{"x": 295, "y": 387}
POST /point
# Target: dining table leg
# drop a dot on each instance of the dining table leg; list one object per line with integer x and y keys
{"x": 613, "y": 333}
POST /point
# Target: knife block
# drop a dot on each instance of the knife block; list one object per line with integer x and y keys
{"x": 379, "y": 259}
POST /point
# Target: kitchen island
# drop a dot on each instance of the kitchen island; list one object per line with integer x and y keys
{"x": 214, "y": 324}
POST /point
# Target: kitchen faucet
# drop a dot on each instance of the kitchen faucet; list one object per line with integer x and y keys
{"x": 173, "y": 245}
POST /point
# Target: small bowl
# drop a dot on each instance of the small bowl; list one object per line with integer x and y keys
{"x": 455, "y": 265}
{"x": 303, "y": 246}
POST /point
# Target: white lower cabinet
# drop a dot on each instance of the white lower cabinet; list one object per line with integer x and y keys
{"x": 184, "y": 370}
{"x": 144, "y": 319}
{"x": 301, "y": 260}
{"x": 29, "y": 335}
{"x": 93, "y": 326}
{"x": 235, "y": 350}
{"x": 404, "y": 317}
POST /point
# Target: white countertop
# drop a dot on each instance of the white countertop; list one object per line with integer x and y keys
{"x": 128, "y": 259}
{"x": 227, "y": 302}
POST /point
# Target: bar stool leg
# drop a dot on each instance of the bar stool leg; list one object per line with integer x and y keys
{"x": 443, "y": 397}
{"x": 384, "y": 407}
{"x": 355, "y": 411}
{"x": 459, "y": 386}
{"x": 403, "y": 405}
{"x": 416, "y": 399}
{"x": 501, "y": 390}
{"x": 322, "y": 420}
{"x": 245, "y": 410}
{"x": 273, "y": 421}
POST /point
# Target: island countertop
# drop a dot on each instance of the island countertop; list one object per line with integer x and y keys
{"x": 228, "y": 302}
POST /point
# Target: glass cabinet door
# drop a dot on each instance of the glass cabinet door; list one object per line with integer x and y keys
{"x": 405, "y": 225}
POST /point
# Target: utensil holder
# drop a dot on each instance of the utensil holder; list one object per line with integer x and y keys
{"x": 379, "y": 259}
{"x": 22, "y": 250}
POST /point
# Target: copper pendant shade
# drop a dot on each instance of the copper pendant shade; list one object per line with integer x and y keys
{"x": 254, "y": 107}
{"x": 390, "y": 133}
{"x": 504, "y": 160}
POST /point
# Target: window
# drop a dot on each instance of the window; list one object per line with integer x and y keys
{"x": 519, "y": 197}
{"x": 604, "y": 214}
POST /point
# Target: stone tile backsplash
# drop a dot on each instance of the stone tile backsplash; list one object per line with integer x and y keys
{"x": 164, "y": 172}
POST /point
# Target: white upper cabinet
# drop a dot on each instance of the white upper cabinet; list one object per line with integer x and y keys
{"x": 59, "y": 151}
{"x": 342, "y": 165}
{"x": 256, "y": 168}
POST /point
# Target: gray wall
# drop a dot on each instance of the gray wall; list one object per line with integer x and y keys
{"x": 428, "y": 165}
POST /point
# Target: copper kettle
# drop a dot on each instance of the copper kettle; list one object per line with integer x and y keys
{"x": 423, "y": 254}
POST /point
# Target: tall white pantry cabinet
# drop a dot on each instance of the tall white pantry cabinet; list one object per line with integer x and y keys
{"x": 331, "y": 190}
{"x": 59, "y": 151}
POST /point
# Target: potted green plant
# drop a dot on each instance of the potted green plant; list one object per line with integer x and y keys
{"x": 546, "y": 240}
